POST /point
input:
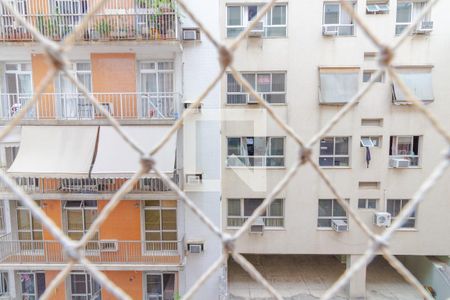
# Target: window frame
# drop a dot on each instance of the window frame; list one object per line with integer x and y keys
{"x": 263, "y": 95}
{"x": 340, "y": 25}
{"x": 159, "y": 296}
{"x": 4, "y": 284}
{"x": 380, "y": 79}
{"x": 15, "y": 101}
{"x": 393, "y": 144}
{"x": 83, "y": 208}
{"x": 35, "y": 243}
{"x": 267, "y": 216}
{"x": 366, "y": 203}
{"x": 334, "y": 155}
{"x": 401, "y": 26}
{"x": 162, "y": 245}
{"x": 263, "y": 158}
{"x": 413, "y": 216}
{"x": 244, "y": 22}
{"x": 332, "y": 217}
{"x": 89, "y": 283}
{"x": 36, "y": 293}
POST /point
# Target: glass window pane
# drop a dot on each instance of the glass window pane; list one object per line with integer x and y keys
{"x": 404, "y": 145}
{"x": 338, "y": 211}
{"x": 74, "y": 220}
{"x": 27, "y": 283}
{"x": 154, "y": 284}
{"x": 234, "y": 16}
{"x": 325, "y": 207}
{"x": 341, "y": 161}
{"x": 168, "y": 286}
{"x": 361, "y": 203}
{"x": 89, "y": 217}
{"x": 264, "y": 83}
{"x": 341, "y": 145}
{"x": 234, "y": 146}
{"x": 167, "y": 65}
{"x": 169, "y": 219}
{"x": 78, "y": 283}
{"x": 23, "y": 219}
{"x": 232, "y": 85}
{"x": 276, "y": 146}
{"x": 276, "y": 208}
{"x": 279, "y": 15}
{"x": 324, "y": 222}
{"x": 252, "y": 11}
{"x": 260, "y": 146}
{"x": 325, "y": 161}
{"x": 234, "y": 207}
{"x": 169, "y": 236}
{"x": 153, "y": 236}
{"x": 278, "y": 82}
{"x": 331, "y": 13}
{"x": 250, "y": 205}
{"x": 154, "y": 203}
{"x": 251, "y": 78}
{"x": 327, "y": 146}
{"x": 404, "y": 12}
{"x": 372, "y": 203}
{"x": 152, "y": 220}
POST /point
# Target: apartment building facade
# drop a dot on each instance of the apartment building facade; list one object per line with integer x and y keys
{"x": 307, "y": 59}
{"x": 139, "y": 59}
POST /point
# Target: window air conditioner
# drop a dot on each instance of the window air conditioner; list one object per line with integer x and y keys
{"x": 399, "y": 163}
{"x": 257, "y": 226}
{"x": 195, "y": 247}
{"x": 329, "y": 30}
{"x": 257, "y": 31}
{"x": 339, "y": 225}
{"x": 425, "y": 27}
{"x": 251, "y": 99}
{"x": 191, "y": 34}
{"x": 382, "y": 219}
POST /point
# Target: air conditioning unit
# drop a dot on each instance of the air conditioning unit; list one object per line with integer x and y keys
{"x": 195, "y": 247}
{"x": 198, "y": 109}
{"x": 257, "y": 226}
{"x": 339, "y": 225}
{"x": 191, "y": 34}
{"x": 399, "y": 163}
{"x": 329, "y": 30}
{"x": 194, "y": 178}
{"x": 257, "y": 31}
{"x": 251, "y": 100}
{"x": 108, "y": 245}
{"x": 382, "y": 219}
{"x": 425, "y": 27}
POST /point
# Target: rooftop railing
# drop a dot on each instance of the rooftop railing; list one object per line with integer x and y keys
{"x": 117, "y": 20}
{"x": 75, "y": 106}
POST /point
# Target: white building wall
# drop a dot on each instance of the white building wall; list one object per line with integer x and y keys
{"x": 300, "y": 55}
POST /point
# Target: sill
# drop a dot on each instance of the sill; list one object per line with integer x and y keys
{"x": 324, "y": 229}
{"x": 335, "y": 167}
{"x": 339, "y": 36}
{"x": 407, "y": 229}
{"x": 413, "y": 167}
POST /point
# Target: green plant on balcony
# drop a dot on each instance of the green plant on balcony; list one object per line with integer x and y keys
{"x": 103, "y": 28}
{"x": 46, "y": 26}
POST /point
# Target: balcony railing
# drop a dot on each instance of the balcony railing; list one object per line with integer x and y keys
{"x": 117, "y": 20}
{"x": 99, "y": 252}
{"x": 86, "y": 185}
{"x": 67, "y": 106}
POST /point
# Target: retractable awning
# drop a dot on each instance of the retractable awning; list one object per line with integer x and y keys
{"x": 116, "y": 158}
{"x": 12, "y": 137}
{"x": 55, "y": 151}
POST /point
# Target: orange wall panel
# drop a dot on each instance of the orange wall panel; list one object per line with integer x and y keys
{"x": 113, "y": 72}
{"x": 60, "y": 292}
{"x": 53, "y": 209}
{"x": 46, "y": 103}
{"x": 129, "y": 281}
{"x": 123, "y": 223}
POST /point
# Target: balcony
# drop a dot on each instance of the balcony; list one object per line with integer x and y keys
{"x": 117, "y": 20}
{"x": 75, "y": 106}
{"x": 103, "y": 252}
{"x": 91, "y": 186}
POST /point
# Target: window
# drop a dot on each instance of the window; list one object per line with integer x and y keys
{"x": 29, "y": 229}
{"x": 71, "y": 104}
{"x": 407, "y": 11}
{"x": 377, "y": 7}
{"x": 367, "y": 76}
{"x": 255, "y": 151}
{"x": 394, "y": 206}
{"x": 338, "y": 85}
{"x": 367, "y": 203}
{"x": 274, "y": 22}
{"x": 160, "y": 225}
{"x": 270, "y": 85}
{"x": 79, "y": 216}
{"x": 239, "y": 210}
{"x": 329, "y": 210}
{"x": 157, "y": 85}
{"x": 32, "y": 285}
{"x": 4, "y": 284}
{"x": 19, "y": 89}
{"x": 84, "y": 287}
{"x": 418, "y": 80}
{"x": 334, "y": 152}
{"x": 336, "y": 19}
{"x": 160, "y": 286}
{"x": 2, "y": 217}
{"x": 370, "y": 141}
{"x": 405, "y": 147}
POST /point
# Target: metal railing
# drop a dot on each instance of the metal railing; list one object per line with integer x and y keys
{"x": 44, "y": 185}
{"x": 75, "y": 106}
{"x": 14, "y": 251}
{"x": 117, "y": 20}
{"x": 268, "y": 221}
